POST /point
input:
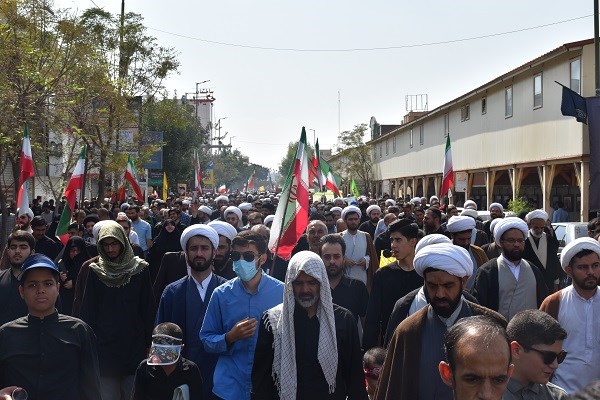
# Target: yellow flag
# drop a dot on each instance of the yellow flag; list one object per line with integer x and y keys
{"x": 165, "y": 186}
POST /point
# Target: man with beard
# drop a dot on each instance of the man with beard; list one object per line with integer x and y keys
{"x": 315, "y": 230}
{"x": 369, "y": 226}
{"x": 330, "y": 222}
{"x": 541, "y": 248}
{"x": 576, "y": 308}
{"x": 419, "y": 216}
{"x": 307, "y": 347}
{"x": 184, "y": 302}
{"x": 360, "y": 259}
{"x": 496, "y": 211}
{"x": 229, "y": 327}
{"x": 461, "y": 229}
{"x": 24, "y": 219}
{"x": 392, "y": 282}
{"x": 19, "y": 246}
{"x": 346, "y": 292}
{"x": 432, "y": 222}
{"x": 141, "y": 227}
{"x": 410, "y": 371}
{"x": 509, "y": 284}
{"x": 222, "y": 264}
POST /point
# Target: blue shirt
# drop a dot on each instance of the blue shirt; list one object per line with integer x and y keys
{"x": 229, "y": 304}
{"x": 560, "y": 215}
{"x": 144, "y": 232}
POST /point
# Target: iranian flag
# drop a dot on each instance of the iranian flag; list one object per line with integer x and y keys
{"x": 26, "y": 172}
{"x": 75, "y": 184}
{"x": 291, "y": 217}
{"x": 197, "y": 173}
{"x": 250, "y": 184}
{"x": 222, "y": 189}
{"x": 131, "y": 176}
{"x": 448, "y": 180}
{"x": 330, "y": 180}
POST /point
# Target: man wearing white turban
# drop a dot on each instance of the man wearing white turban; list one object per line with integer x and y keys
{"x": 185, "y": 301}
{"x": 509, "y": 284}
{"x": 461, "y": 230}
{"x": 361, "y": 260}
{"x": 416, "y": 347}
{"x": 576, "y": 308}
{"x": 221, "y": 263}
{"x": 326, "y": 362}
{"x": 233, "y": 215}
{"x": 496, "y": 211}
{"x": 541, "y": 248}
{"x": 369, "y": 226}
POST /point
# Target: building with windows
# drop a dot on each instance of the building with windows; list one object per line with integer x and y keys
{"x": 508, "y": 139}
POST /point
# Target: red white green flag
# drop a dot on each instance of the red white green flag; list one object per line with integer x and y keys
{"x": 75, "y": 184}
{"x": 222, "y": 189}
{"x": 251, "y": 180}
{"x": 26, "y": 171}
{"x": 330, "y": 180}
{"x": 131, "y": 177}
{"x": 291, "y": 217}
{"x": 448, "y": 180}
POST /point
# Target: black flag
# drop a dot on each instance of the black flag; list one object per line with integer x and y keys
{"x": 573, "y": 105}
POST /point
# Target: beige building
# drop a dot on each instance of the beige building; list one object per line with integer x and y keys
{"x": 508, "y": 139}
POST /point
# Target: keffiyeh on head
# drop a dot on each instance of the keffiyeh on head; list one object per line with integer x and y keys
{"x": 445, "y": 257}
{"x": 535, "y": 214}
{"x": 460, "y": 224}
{"x": 507, "y": 224}
{"x": 281, "y": 322}
{"x": 199, "y": 230}
{"x": 574, "y": 247}
{"x": 351, "y": 209}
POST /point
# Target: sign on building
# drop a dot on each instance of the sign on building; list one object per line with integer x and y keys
{"x": 461, "y": 179}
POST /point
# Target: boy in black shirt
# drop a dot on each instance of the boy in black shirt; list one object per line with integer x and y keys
{"x": 165, "y": 370}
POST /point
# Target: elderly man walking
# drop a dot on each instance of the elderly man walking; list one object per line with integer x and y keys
{"x": 307, "y": 347}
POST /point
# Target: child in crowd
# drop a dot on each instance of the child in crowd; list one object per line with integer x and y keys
{"x": 372, "y": 364}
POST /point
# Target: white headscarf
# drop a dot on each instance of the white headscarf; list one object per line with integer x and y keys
{"x": 507, "y": 224}
{"x": 206, "y": 210}
{"x": 432, "y": 198}
{"x": 469, "y": 213}
{"x": 574, "y": 247}
{"x": 221, "y": 198}
{"x": 223, "y": 229}
{"x": 280, "y": 320}
{"x": 470, "y": 204}
{"x": 245, "y": 206}
{"x": 269, "y": 218}
{"x": 496, "y": 205}
{"x": 446, "y": 257}
{"x": 334, "y": 209}
{"x": 373, "y": 207}
{"x": 536, "y": 214}
{"x": 390, "y": 202}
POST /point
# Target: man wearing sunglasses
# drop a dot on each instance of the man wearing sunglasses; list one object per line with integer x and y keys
{"x": 577, "y": 308}
{"x": 537, "y": 350}
{"x": 229, "y": 327}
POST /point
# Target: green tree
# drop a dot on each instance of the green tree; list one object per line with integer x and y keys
{"x": 357, "y": 156}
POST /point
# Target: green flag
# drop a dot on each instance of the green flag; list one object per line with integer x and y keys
{"x": 354, "y": 189}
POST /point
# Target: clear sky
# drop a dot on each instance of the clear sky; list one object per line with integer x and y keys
{"x": 268, "y": 95}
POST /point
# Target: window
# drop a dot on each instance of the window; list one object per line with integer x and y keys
{"x": 483, "y": 106}
{"x": 380, "y": 150}
{"x": 411, "y": 138}
{"x": 508, "y": 102}
{"x": 394, "y": 144}
{"x": 537, "y": 91}
{"x": 387, "y": 147}
{"x": 446, "y": 124}
{"x": 465, "y": 113}
{"x": 575, "y": 73}
{"x": 374, "y": 152}
{"x": 421, "y": 135}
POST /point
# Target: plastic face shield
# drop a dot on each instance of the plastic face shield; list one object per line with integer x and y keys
{"x": 165, "y": 350}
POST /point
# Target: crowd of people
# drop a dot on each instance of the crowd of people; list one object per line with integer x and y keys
{"x": 381, "y": 299}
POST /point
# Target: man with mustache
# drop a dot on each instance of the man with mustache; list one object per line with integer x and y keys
{"x": 185, "y": 301}
{"x": 410, "y": 371}
{"x": 576, "y": 308}
{"x": 509, "y": 284}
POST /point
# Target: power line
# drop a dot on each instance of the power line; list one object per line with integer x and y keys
{"x": 407, "y": 46}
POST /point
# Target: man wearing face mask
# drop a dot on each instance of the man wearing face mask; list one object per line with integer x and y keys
{"x": 229, "y": 328}
{"x": 541, "y": 248}
{"x": 222, "y": 263}
{"x": 184, "y": 302}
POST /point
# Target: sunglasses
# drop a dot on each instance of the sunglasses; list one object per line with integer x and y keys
{"x": 548, "y": 357}
{"x": 247, "y": 255}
